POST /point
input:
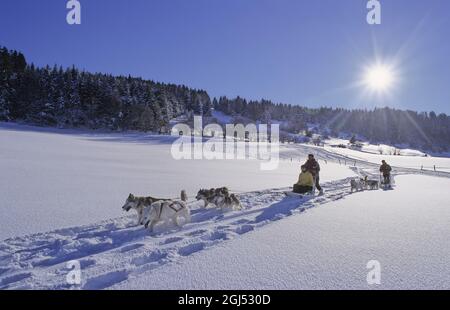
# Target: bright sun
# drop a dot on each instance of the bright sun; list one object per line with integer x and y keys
{"x": 379, "y": 78}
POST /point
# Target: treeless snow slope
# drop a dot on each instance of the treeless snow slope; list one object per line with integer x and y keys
{"x": 415, "y": 162}
{"x": 406, "y": 230}
{"x": 54, "y": 178}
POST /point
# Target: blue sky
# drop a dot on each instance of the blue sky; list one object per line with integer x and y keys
{"x": 307, "y": 52}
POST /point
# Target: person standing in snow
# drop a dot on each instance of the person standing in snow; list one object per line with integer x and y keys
{"x": 313, "y": 167}
{"x": 385, "y": 169}
{"x": 305, "y": 182}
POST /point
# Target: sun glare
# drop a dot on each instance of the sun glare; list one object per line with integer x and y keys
{"x": 379, "y": 78}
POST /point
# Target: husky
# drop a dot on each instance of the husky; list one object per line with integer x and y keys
{"x": 139, "y": 204}
{"x": 371, "y": 184}
{"x": 357, "y": 185}
{"x": 184, "y": 196}
{"x": 166, "y": 211}
{"x": 219, "y": 197}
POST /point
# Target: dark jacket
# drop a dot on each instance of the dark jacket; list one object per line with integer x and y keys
{"x": 312, "y": 166}
{"x": 385, "y": 169}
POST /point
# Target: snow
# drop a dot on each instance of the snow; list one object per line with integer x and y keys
{"x": 329, "y": 247}
{"x": 221, "y": 117}
{"x": 380, "y": 149}
{"x": 57, "y": 178}
{"x": 414, "y": 162}
{"x": 61, "y": 194}
{"x": 408, "y": 158}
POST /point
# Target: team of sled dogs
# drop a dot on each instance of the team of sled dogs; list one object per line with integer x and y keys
{"x": 364, "y": 184}
{"x": 151, "y": 210}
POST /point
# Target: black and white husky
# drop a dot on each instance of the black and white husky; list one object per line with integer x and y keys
{"x": 152, "y": 210}
{"x": 219, "y": 198}
{"x": 139, "y": 204}
{"x": 371, "y": 184}
{"x": 166, "y": 211}
{"x": 357, "y": 185}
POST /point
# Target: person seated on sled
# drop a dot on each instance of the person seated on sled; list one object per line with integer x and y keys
{"x": 305, "y": 182}
{"x": 385, "y": 169}
{"x": 313, "y": 167}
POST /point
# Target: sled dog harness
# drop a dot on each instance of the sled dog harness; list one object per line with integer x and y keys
{"x": 170, "y": 206}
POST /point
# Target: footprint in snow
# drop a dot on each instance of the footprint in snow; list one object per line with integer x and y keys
{"x": 244, "y": 229}
{"x": 131, "y": 247}
{"x": 191, "y": 249}
{"x": 171, "y": 240}
{"x": 5, "y": 282}
{"x": 149, "y": 258}
{"x": 196, "y": 233}
{"x": 217, "y": 235}
{"x": 106, "y": 280}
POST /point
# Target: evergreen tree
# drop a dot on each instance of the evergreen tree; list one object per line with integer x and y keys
{"x": 70, "y": 98}
{"x": 4, "y": 106}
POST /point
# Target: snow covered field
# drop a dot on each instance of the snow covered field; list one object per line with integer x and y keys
{"x": 329, "y": 247}
{"x": 61, "y": 194}
{"x": 57, "y": 178}
{"x": 408, "y": 159}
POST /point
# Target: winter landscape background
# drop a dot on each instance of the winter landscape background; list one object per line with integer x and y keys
{"x": 86, "y": 113}
{"x": 68, "y": 98}
{"x": 62, "y": 191}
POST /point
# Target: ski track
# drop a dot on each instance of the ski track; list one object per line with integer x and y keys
{"x": 117, "y": 250}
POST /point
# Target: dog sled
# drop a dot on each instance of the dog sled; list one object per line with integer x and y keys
{"x": 300, "y": 196}
{"x": 311, "y": 193}
{"x": 387, "y": 183}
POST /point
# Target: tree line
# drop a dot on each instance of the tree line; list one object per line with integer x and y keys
{"x": 53, "y": 96}
{"x": 427, "y": 131}
{"x": 70, "y": 98}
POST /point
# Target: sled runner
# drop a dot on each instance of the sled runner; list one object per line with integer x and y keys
{"x": 387, "y": 185}
{"x": 295, "y": 195}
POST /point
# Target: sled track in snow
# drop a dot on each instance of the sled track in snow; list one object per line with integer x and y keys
{"x": 369, "y": 168}
{"x": 115, "y": 250}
